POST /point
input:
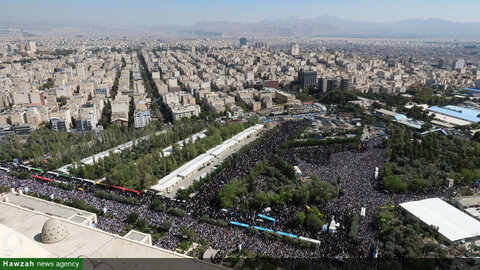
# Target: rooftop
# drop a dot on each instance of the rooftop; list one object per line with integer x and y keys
{"x": 82, "y": 241}
{"x": 468, "y": 201}
{"x": 452, "y": 223}
{"x": 472, "y": 89}
{"x": 458, "y": 112}
{"x": 49, "y": 208}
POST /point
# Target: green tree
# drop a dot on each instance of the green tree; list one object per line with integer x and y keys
{"x": 319, "y": 190}
{"x": 157, "y": 205}
{"x": 299, "y": 219}
{"x": 418, "y": 184}
{"x": 186, "y": 232}
{"x": 79, "y": 203}
{"x": 228, "y": 194}
{"x": 142, "y": 225}
{"x": 468, "y": 175}
{"x": 132, "y": 217}
{"x": 314, "y": 222}
{"x": 165, "y": 226}
{"x": 395, "y": 184}
{"x": 62, "y": 101}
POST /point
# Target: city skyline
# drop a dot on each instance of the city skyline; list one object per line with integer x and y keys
{"x": 239, "y": 134}
{"x": 159, "y": 13}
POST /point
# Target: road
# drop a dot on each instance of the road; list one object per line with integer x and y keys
{"x": 217, "y": 161}
{"x": 106, "y": 153}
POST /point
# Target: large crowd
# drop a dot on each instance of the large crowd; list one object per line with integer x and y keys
{"x": 265, "y": 150}
{"x": 352, "y": 171}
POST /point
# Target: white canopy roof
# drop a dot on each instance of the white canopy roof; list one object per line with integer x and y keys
{"x": 452, "y": 223}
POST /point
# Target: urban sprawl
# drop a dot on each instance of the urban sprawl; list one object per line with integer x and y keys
{"x": 246, "y": 152}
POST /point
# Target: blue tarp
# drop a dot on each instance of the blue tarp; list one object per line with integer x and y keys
{"x": 287, "y": 234}
{"x": 262, "y": 229}
{"x": 266, "y": 218}
{"x": 239, "y": 224}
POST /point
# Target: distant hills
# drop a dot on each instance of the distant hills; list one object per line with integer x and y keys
{"x": 323, "y": 26}
{"x": 328, "y": 26}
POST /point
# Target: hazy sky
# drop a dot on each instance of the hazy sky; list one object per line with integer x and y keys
{"x": 188, "y": 12}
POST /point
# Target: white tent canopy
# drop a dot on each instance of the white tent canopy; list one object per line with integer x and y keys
{"x": 452, "y": 223}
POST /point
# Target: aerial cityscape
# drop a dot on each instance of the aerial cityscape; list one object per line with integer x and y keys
{"x": 219, "y": 135}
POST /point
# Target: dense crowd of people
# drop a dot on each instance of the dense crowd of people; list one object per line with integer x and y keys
{"x": 352, "y": 171}
{"x": 243, "y": 165}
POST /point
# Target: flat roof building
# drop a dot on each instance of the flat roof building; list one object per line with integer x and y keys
{"x": 469, "y": 204}
{"x": 463, "y": 114}
{"x": 472, "y": 91}
{"x": 307, "y": 78}
{"x": 141, "y": 119}
{"x": 180, "y": 111}
{"x": 452, "y": 223}
{"x": 30, "y": 227}
{"x": 193, "y": 165}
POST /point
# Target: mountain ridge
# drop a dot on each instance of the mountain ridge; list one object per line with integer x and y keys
{"x": 322, "y": 26}
{"x": 333, "y": 26}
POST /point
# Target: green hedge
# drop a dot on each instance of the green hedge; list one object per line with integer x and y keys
{"x": 110, "y": 196}
{"x": 177, "y": 212}
{"x": 218, "y": 222}
{"x": 20, "y": 175}
{"x": 62, "y": 185}
{"x": 354, "y": 225}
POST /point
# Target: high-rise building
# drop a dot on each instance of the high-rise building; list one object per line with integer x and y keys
{"x": 322, "y": 85}
{"x": 294, "y": 49}
{"x": 345, "y": 84}
{"x": 332, "y": 84}
{"x": 12, "y": 47}
{"x": 31, "y": 46}
{"x": 243, "y": 42}
{"x": 193, "y": 50}
{"x": 307, "y": 78}
{"x": 260, "y": 44}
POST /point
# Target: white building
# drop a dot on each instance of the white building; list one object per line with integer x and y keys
{"x": 180, "y": 111}
{"x": 31, "y": 46}
{"x": 451, "y": 222}
{"x": 172, "y": 82}
{"x": 141, "y": 118}
{"x": 87, "y": 118}
{"x": 294, "y": 49}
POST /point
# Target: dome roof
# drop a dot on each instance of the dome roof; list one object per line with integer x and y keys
{"x": 53, "y": 231}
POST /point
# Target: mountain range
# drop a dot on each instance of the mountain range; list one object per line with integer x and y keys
{"x": 328, "y": 26}
{"x": 323, "y": 26}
